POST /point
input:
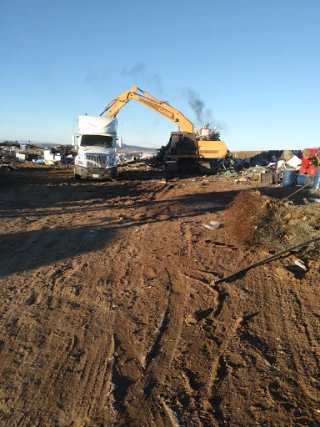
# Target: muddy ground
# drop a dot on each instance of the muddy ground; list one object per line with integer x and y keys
{"x": 109, "y": 315}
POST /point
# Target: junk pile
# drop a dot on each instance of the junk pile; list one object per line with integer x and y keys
{"x": 288, "y": 168}
{"x": 266, "y": 166}
{"x": 7, "y": 165}
{"x": 10, "y": 144}
{"x": 206, "y": 134}
{"x": 303, "y": 173}
{"x": 6, "y": 157}
{"x": 256, "y": 220}
{"x": 62, "y": 154}
{"x": 46, "y": 156}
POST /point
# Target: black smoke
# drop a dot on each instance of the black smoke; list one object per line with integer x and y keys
{"x": 203, "y": 115}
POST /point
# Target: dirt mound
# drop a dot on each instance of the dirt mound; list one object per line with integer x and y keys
{"x": 254, "y": 219}
{"x": 247, "y": 214}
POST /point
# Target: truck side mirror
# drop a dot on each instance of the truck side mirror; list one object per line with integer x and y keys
{"x": 74, "y": 140}
{"x": 119, "y": 142}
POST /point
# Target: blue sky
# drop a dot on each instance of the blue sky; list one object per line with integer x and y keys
{"x": 254, "y": 63}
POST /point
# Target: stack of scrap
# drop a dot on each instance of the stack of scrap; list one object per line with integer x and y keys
{"x": 310, "y": 161}
{"x": 205, "y": 133}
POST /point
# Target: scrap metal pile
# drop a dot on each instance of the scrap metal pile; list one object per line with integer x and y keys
{"x": 6, "y": 157}
{"x": 12, "y": 154}
{"x": 6, "y": 164}
{"x": 206, "y": 134}
{"x": 286, "y": 168}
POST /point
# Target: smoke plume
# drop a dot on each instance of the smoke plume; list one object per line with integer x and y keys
{"x": 141, "y": 76}
{"x": 203, "y": 115}
{"x": 196, "y": 104}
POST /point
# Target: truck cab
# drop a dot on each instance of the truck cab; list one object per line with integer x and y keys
{"x": 96, "y": 143}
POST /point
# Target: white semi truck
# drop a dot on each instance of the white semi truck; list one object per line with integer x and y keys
{"x": 96, "y": 143}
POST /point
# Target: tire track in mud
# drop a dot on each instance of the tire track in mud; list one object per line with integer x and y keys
{"x": 231, "y": 313}
{"x": 273, "y": 348}
{"x": 160, "y": 357}
{"x": 220, "y": 324}
{"x": 143, "y": 381}
{"x": 308, "y": 329}
{"x": 303, "y": 344}
{"x": 140, "y": 368}
{"x": 210, "y": 412}
{"x": 218, "y": 362}
{"x": 257, "y": 351}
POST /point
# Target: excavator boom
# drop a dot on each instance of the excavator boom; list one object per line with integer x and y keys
{"x": 183, "y": 146}
{"x": 153, "y": 103}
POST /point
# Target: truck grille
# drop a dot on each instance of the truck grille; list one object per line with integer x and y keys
{"x": 96, "y": 160}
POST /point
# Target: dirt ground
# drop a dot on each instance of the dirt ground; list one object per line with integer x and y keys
{"x": 109, "y": 315}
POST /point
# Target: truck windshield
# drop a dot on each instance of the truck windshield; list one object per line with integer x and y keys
{"x": 96, "y": 141}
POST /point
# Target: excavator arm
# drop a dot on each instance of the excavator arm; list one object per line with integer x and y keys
{"x": 150, "y": 101}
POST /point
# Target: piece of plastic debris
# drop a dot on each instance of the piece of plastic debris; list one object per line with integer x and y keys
{"x": 214, "y": 224}
{"x": 49, "y": 162}
{"x": 281, "y": 164}
{"x": 267, "y": 363}
{"x": 294, "y": 162}
{"x": 300, "y": 264}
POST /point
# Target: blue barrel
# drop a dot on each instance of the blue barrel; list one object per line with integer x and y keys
{"x": 304, "y": 179}
{"x": 288, "y": 177}
{"x": 316, "y": 182}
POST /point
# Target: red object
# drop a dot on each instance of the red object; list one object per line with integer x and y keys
{"x": 303, "y": 170}
{"x": 312, "y": 170}
{"x": 308, "y": 153}
{"x": 306, "y": 163}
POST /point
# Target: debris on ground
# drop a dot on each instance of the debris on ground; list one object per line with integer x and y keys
{"x": 280, "y": 271}
{"x": 213, "y": 225}
{"x": 300, "y": 264}
{"x": 6, "y": 165}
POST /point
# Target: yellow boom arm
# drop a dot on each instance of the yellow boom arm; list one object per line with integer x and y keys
{"x": 150, "y": 101}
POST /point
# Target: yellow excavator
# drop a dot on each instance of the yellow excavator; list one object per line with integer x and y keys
{"x": 185, "y": 151}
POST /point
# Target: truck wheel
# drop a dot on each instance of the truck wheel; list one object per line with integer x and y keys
{"x": 77, "y": 177}
{"x": 114, "y": 173}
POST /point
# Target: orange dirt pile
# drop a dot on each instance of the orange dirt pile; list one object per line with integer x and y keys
{"x": 245, "y": 215}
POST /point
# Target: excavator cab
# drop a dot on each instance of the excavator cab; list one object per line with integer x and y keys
{"x": 182, "y": 144}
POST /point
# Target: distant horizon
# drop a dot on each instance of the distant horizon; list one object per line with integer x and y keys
{"x": 48, "y": 143}
{"x": 140, "y": 148}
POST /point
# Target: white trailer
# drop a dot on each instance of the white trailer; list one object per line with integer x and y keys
{"x": 96, "y": 143}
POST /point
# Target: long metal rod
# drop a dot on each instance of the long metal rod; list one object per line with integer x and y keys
{"x": 265, "y": 261}
{"x": 301, "y": 188}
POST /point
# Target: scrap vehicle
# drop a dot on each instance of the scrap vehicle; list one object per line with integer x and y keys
{"x": 96, "y": 142}
{"x": 186, "y": 150}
